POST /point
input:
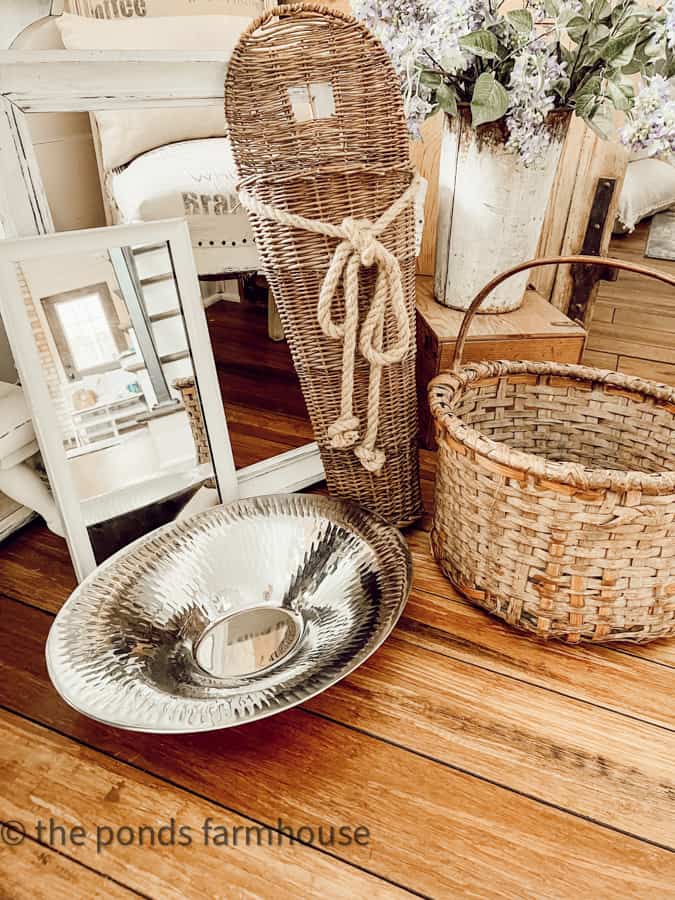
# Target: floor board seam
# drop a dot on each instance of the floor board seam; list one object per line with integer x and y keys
{"x": 78, "y": 862}
{"x": 654, "y": 662}
{"x": 533, "y": 684}
{"x": 606, "y": 645}
{"x": 189, "y": 791}
{"x": 549, "y": 803}
{"x": 27, "y": 604}
{"x": 476, "y": 665}
{"x": 373, "y": 736}
{"x": 418, "y": 753}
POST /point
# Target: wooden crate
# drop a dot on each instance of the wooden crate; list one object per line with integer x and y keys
{"x": 536, "y": 331}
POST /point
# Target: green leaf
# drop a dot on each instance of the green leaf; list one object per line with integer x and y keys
{"x": 602, "y": 11}
{"x": 490, "y": 100}
{"x": 619, "y": 50}
{"x": 598, "y": 34}
{"x": 480, "y": 43}
{"x": 618, "y": 14}
{"x": 568, "y": 57}
{"x": 648, "y": 12}
{"x": 521, "y": 19}
{"x": 620, "y": 93}
{"x": 587, "y": 96}
{"x": 430, "y": 79}
{"x": 577, "y": 28}
{"x": 602, "y": 120}
{"x": 633, "y": 68}
{"x": 447, "y": 99}
{"x": 654, "y": 49}
{"x": 561, "y": 87}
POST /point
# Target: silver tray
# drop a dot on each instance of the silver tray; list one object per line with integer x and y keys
{"x": 235, "y": 614}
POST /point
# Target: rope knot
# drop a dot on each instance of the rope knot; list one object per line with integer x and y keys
{"x": 343, "y": 433}
{"x": 358, "y": 245}
{"x": 361, "y": 235}
{"x": 371, "y": 459}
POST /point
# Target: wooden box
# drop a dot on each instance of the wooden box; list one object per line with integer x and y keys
{"x": 537, "y": 331}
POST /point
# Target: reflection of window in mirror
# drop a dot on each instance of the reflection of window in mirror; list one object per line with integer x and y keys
{"x": 111, "y": 337}
{"x": 86, "y": 329}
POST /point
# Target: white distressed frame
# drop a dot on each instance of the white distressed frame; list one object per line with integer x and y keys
{"x": 175, "y": 233}
{"x": 93, "y": 80}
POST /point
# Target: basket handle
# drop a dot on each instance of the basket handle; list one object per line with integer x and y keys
{"x": 534, "y": 264}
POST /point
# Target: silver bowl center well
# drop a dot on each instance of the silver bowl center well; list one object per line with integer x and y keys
{"x": 248, "y": 642}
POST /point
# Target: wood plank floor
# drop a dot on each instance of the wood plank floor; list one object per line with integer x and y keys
{"x": 252, "y": 369}
{"x": 482, "y": 763}
{"x": 633, "y": 327}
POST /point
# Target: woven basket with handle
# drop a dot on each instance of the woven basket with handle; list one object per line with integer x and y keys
{"x": 555, "y": 494}
{"x": 348, "y": 159}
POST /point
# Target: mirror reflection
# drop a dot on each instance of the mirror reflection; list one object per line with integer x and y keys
{"x": 94, "y": 173}
{"x": 113, "y": 347}
{"x": 248, "y": 641}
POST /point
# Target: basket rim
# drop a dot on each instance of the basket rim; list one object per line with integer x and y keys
{"x": 312, "y": 11}
{"x": 445, "y": 387}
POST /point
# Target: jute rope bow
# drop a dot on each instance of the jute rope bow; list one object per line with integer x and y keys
{"x": 359, "y": 246}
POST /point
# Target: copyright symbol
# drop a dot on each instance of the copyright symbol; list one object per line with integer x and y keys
{"x": 12, "y": 833}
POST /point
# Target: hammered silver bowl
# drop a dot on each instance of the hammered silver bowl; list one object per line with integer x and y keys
{"x": 235, "y": 614}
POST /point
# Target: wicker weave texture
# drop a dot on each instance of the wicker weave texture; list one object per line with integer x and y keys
{"x": 354, "y": 163}
{"x": 190, "y": 397}
{"x": 555, "y": 498}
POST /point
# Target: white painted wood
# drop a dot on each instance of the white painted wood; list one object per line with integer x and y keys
{"x": 19, "y": 204}
{"x": 156, "y": 8}
{"x": 45, "y": 422}
{"x": 202, "y": 360}
{"x": 447, "y": 173}
{"x": 283, "y": 474}
{"x": 490, "y": 215}
{"x": 45, "y": 419}
{"x": 23, "y": 485}
{"x": 94, "y": 80}
{"x": 27, "y": 158}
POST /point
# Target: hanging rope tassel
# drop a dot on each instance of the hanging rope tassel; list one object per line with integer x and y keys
{"x": 343, "y": 433}
{"x": 359, "y": 246}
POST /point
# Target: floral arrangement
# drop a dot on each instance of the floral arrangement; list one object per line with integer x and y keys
{"x": 581, "y": 55}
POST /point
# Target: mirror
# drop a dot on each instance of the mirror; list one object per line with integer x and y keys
{"x": 111, "y": 338}
{"x": 124, "y": 379}
{"x": 254, "y": 377}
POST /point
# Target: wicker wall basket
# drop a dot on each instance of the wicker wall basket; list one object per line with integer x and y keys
{"x": 316, "y": 120}
{"x": 555, "y": 494}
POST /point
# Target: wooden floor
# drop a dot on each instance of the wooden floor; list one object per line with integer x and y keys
{"x": 482, "y": 763}
{"x": 633, "y": 327}
{"x": 252, "y": 369}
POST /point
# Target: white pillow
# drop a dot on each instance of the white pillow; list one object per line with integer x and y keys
{"x": 126, "y": 134}
{"x": 195, "y": 179}
{"x": 16, "y": 426}
{"x": 649, "y": 187}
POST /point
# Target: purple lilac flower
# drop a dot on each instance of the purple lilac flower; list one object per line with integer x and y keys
{"x": 531, "y": 99}
{"x": 651, "y": 124}
{"x": 669, "y": 8}
{"x": 421, "y": 33}
{"x": 566, "y": 10}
